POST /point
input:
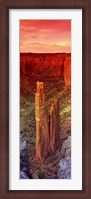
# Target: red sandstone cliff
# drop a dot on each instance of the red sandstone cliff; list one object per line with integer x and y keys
{"x": 34, "y": 66}
{"x": 42, "y": 64}
{"x": 67, "y": 71}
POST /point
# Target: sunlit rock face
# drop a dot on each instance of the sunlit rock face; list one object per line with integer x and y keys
{"x": 54, "y": 125}
{"x": 65, "y": 162}
{"x": 42, "y": 129}
{"x": 67, "y": 71}
{"x": 47, "y": 133}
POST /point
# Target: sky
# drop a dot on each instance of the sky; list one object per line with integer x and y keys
{"x": 45, "y": 36}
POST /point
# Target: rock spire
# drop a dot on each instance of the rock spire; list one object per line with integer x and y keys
{"x": 42, "y": 128}
{"x": 47, "y": 134}
{"x": 54, "y": 125}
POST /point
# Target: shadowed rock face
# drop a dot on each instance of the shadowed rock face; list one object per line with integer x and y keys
{"x": 24, "y": 161}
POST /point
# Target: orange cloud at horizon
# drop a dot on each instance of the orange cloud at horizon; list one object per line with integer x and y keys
{"x": 45, "y": 36}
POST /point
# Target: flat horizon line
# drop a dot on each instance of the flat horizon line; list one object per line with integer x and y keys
{"x": 47, "y": 52}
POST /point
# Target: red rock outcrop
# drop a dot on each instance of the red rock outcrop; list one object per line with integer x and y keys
{"x": 67, "y": 71}
{"x": 42, "y": 128}
{"x": 54, "y": 126}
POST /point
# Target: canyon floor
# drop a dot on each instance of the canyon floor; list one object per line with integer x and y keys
{"x": 54, "y": 88}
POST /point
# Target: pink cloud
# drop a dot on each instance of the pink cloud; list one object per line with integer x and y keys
{"x": 45, "y": 35}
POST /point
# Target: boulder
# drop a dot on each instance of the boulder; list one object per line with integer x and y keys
{"x": 65, "y": 162}
{"x": 24, "y": 160}
{"x": 23, "y": 175}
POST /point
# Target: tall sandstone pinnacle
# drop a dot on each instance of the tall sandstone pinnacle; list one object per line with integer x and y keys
{"x": 42, "y": 128}
{"x": 67, "y": 71}
{"x": 54, "y": 125}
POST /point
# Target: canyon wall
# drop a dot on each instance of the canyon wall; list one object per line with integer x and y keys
{"x": 43, "y": 67}
{"x": 67, "y": 71}
{"x": 34, "y": 64}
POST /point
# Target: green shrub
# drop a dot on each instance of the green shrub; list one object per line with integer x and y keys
{"x": 41, "y": 174}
